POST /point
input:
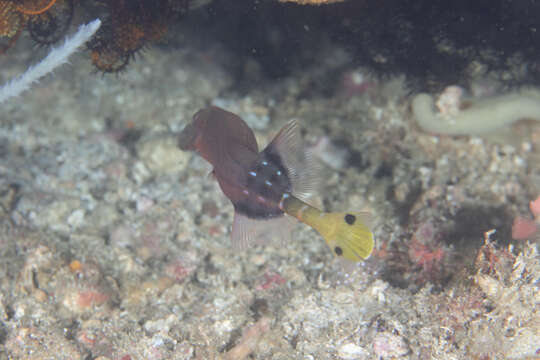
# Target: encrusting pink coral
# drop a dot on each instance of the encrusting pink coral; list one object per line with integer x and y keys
{"x": 535, "y": 207}
{"x": 524, "y": 228}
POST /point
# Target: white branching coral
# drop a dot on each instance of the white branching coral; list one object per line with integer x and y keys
{"x": 56, "y": 57}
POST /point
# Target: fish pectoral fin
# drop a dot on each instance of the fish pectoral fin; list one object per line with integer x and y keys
{"x": 303, "y": 170}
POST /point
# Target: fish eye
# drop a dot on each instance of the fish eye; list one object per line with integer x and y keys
{"x": 350, "y": 219}
{"x": 338, "y": 251}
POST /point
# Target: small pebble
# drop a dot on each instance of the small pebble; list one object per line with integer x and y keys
{"x": 387, "y": 344}
{"x": 352, "y": 351}
{"x": 161, "y": 155}
{"x": 76, "y": 219}
{"x": 40, "y": 295}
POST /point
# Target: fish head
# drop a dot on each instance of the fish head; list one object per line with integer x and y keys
{"x": 191, "y": 136}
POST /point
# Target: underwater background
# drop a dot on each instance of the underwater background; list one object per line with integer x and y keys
{"x": 115, "y": 243}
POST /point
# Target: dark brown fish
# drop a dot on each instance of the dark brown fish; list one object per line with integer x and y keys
{"x": 265, "y": 186}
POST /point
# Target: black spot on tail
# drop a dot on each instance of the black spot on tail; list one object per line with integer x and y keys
{"x": 338, "y": 251}
{"x": 350, "y": 219}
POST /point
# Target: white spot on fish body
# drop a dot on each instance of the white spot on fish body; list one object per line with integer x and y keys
{"x": 283, "y": 197}
{"x": 252, "y": 173}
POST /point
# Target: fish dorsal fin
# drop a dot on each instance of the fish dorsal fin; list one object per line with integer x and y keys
{"x": 247, "y": 232}
{"x": 230, "y": 127}
{"x": 301, "y": 167}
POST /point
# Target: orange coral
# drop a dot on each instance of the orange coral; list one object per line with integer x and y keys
{"x": 32, "y": 9}
{"x": 128, "y": 25}
{"x": 131, "y": 25}
{"x": 16, "y": 15}
{"x": 11, "y": 23}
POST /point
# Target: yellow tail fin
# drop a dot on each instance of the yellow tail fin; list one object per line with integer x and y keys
{"x": 346, "y": 234}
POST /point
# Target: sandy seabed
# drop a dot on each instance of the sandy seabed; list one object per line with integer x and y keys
{"x": 114, "y": 244}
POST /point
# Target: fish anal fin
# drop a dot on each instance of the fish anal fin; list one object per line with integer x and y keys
{"x": 247, "y": 232}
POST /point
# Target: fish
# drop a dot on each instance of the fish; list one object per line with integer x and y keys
{"x": 268, "y": 188}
